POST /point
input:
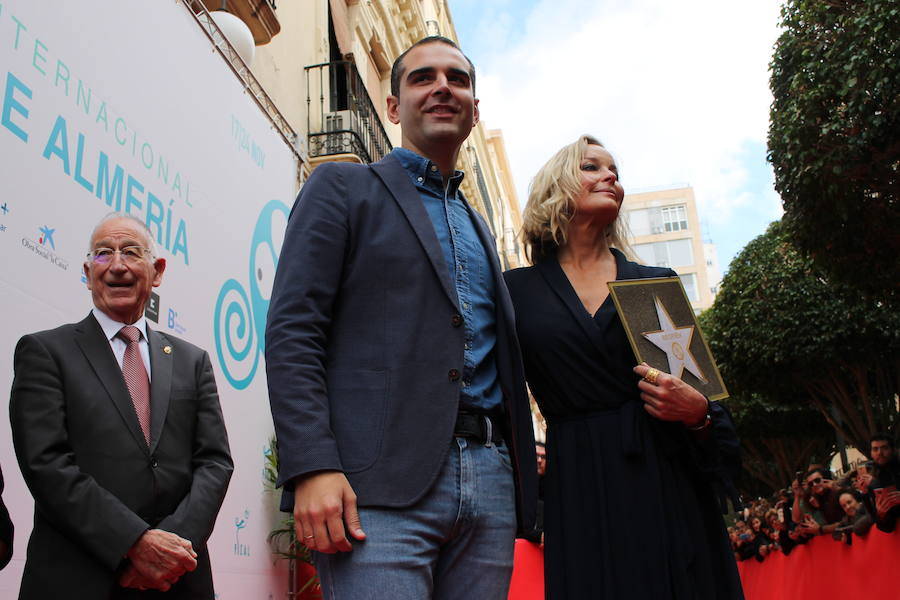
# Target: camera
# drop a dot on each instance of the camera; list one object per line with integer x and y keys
{"x": 843, "y": 533}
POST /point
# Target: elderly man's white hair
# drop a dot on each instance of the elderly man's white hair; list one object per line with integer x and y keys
{"x": 151, "y": 243}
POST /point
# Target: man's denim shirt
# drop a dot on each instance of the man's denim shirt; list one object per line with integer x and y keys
{"x": 470, "y": 270}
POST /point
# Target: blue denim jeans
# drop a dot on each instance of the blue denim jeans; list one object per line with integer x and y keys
{"x": 456, "y": 543}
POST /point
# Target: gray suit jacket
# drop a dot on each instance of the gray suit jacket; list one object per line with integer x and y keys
{"x": 362, "y": 335}
{"x": 97, "y": 486}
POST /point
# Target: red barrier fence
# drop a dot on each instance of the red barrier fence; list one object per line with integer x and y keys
{"x": 823, "y": 569}
{"x": 528, "y": 572}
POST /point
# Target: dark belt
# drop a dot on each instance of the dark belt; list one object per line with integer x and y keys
{"x": 478, "y": 426}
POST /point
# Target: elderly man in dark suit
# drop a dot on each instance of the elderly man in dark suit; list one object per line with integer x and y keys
{"x": 397, "y": 389}
{"x": 120, "y": 438}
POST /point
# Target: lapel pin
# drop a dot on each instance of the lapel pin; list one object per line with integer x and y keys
{"x": 167, "y": 349}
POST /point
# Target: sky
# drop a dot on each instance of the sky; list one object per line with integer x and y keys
{"x": 677, "y": 91}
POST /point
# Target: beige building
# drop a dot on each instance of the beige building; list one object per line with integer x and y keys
{"x": 322, "y": 72}
{"x": 665, "y": 232}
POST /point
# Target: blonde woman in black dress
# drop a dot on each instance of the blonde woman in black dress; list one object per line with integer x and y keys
{"x": 635, "y": 457}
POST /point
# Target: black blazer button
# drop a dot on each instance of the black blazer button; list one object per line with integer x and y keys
{"x": 456, "y": 320}
{"x": 153, "y": 463}
{"x": 453, "y": 374}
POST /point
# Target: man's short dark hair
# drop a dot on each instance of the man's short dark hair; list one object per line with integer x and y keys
{"x": 397, "y": 69}
{"x": 881, "y": 437}
{"x": 820, "y": 470}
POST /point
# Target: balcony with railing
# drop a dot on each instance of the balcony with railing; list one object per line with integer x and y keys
{"x": 341, "y": 118}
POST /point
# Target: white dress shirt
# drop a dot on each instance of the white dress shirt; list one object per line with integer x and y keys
{"x": 111, "y": 329}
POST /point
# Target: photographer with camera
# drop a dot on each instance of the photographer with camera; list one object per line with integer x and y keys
{"x": 820, "y": 509}
{"x": 762, "y": 539}
{"x": 878, "y": 482}
{"x": 782, "y": 527}
{"x": 856, "y": 519}
{"x": 743, "y": 541}
{"x": 798, "y": 528}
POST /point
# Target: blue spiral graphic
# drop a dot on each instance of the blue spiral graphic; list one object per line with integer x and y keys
{"x": 245, "y": 317}
{"x": 243, "y": 329}
{"x": 263, "y": 247}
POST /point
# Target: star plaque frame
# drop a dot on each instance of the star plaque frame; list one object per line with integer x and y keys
{"x": 663, "y": 331}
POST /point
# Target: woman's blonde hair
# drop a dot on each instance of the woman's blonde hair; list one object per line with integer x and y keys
{"x": 551, "y": 204}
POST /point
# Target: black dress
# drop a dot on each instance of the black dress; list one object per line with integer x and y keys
{"x": 631, "y": 505}
{"x": 6, "y": 529}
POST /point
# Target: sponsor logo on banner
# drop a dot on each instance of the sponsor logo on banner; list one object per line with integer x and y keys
{"x": 46, "y": 237}
{"x": 239, "y": 524}
{"x": 173, "y": 323}
{"x": 45, "y": 247}
{"x": 152, "y": 309}
{"x": 239, "y": 317}
{"x": 246, "y": 143}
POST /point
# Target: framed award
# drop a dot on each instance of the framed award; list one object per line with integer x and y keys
{"x": 664, "y": 333}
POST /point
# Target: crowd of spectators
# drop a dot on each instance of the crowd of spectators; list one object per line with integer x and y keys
{"x": 817, "y": 504}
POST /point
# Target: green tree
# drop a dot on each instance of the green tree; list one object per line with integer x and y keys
{"x": 778, "y": 439}
{"x": 782, "y": 331}
{"x": 833, "y": 136}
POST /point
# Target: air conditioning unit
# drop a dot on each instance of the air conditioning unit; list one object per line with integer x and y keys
{"x": 336, "y": 123}
{"x": 338, "y": 120}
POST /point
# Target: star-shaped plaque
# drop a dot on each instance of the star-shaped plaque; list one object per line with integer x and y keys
{"x": 675, "y": 342}
{"x": 649, "y": 310}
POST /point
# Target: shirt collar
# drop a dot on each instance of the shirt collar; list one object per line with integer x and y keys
{"x": 111, "y": 327}
{"x": 418, "y": 166}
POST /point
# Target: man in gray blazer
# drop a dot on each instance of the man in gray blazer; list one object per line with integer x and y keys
{"x": 119, "y": 434}
{"x": 404, "y": 433}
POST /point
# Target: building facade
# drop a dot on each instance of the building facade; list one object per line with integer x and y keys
{"x": 665, "y": 231}
{"x": 325, "y": 66}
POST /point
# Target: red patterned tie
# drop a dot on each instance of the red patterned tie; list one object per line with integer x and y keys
{"x": 136, "y": 377}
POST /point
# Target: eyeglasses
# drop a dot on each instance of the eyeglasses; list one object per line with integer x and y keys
{"x": 815, "y": 481}
{"x": 130, "y": 254}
